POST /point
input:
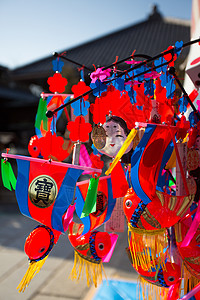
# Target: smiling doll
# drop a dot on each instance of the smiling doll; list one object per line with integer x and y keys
{"x": 116, "y": 133}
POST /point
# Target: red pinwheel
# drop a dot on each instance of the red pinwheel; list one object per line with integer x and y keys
{"x": 79, "y": 130}
{"x": 79, "y": 89}
{"x": 57, "y": 83}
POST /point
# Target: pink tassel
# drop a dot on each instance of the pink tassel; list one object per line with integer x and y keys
{"x": 84, "y": 158}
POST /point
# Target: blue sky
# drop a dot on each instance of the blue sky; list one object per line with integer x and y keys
{"x": 33, "y": 29}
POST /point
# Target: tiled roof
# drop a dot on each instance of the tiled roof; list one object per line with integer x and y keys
{"x": 150, "y": 37}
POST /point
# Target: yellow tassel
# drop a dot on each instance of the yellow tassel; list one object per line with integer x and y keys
{"x": 151, "y": 291}
{"x": 34, "y": 268}
{"x": 93, "y": 270}
{"x": 190, "y": 281}
{"x": 147, "y": 247}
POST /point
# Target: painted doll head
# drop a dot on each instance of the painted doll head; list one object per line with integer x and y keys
{"x": 116, "y": 133}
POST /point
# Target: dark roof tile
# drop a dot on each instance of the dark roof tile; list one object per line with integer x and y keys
{"x": 149, "y": 37}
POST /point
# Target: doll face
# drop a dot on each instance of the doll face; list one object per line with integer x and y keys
{"x": 115, "y": 137}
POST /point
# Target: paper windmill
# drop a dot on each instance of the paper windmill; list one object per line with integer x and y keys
{"x": 100, "y": 74}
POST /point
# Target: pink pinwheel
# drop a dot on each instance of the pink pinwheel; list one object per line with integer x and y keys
{"x": 152, "y": 74}
{"x": 132, "y": 83}
{"x": 100, "y": 74}
{"x": 132, "y": 62}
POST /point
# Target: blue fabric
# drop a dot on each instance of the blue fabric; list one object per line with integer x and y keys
{"x": 111, "y": 200}
{"x": 98, "y": 88}
{"x": 117, "y": 290}
{"x": 82, "y": 74}
{"x": 128, "y": 178}
{"x": 57, "y": 64}
{"x": 22, "y": 185}
{"x": 64, "y": 198}
{"x": 178, "y": 47}
{"x": 80, "y": 107}
{"x": 95, "y": 151}
{"x": 135, "y": 163}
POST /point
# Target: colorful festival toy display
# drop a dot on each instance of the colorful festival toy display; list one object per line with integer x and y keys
{"x": 139, "y": 124}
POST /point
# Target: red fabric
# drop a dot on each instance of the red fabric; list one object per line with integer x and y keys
{"x": 160, "y": 92}
{"x": 183, "y": 127}
{"x": 171, "y": 269}
{"x": 166, "y": 111}
{"x": 193, "y": 132}
{"x": 140, "y": 97}
{"x": 43, "y": 215}
{"x": 119, "y": 182}
{"x": 97, "y": 163}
